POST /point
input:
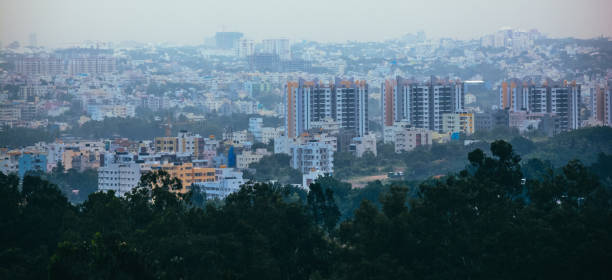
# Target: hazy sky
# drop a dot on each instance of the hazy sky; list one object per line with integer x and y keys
{"x": 59, "y": 22}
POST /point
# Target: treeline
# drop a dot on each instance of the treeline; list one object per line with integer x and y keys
{"x": 484, "y": 222}
{"x": 20, "y": 136}
{"x": 439, "y": 159}
{"x": 145, "y": 128}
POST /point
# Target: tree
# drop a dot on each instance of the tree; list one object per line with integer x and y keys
{"x": 322, "y": 206}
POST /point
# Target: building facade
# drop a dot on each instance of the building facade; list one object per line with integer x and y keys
{"x": 309, "y": 102}
{"x": 421, "y": 104}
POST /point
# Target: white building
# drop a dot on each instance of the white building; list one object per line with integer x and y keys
{"x": 406, "y": 138}
{"x": 361, "y": 145}
{"x": 237, "y": 138}
{"x": 270, "y": 133}
{"x": 312, "y": 156}
{"x": 255, "y": 128}
{"x": 310, "y": 178}
{"x": 245, "y": 47}
{"x": 280, "y": 47}
{"x": 121, "y": 175}
{"x": 187, "y": 142}
{"x": 246, "y": 158}
{"x": 228, "y": 181}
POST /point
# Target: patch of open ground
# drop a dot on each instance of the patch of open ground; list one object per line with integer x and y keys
{"x": 360, "y": 182}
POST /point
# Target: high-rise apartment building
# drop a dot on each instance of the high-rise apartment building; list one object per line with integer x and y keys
{"x": 309, "y": 102}
{"x": 421, "y": 104}
{"x": 280, "y": 47}
{"x": 561, "y": 99}
{"x": 601, "y": 102}
{"x": 227, "y": 40}
{"x": 92, "y": 65}
{"x": 33, "y": 40}
{"x": 245, "y": 47}
{"x": 39, "y": 66}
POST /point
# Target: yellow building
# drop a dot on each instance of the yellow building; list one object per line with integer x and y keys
{"x": 166, "y": 144}
{"x": 462, "y": 122}
{"x": 187, "y": 173}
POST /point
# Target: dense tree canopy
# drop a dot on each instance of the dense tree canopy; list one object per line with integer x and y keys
{"x": 484, "y": 222}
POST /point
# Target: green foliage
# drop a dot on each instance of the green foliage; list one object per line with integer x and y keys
{"x": 440, "y": 159}
{"x": 20, "y": 137}
{"x": 482, "y": 223}
{"x": 275, "y": 167}
{"x": 475, "y": 225}
{"x": 84, "y": 183}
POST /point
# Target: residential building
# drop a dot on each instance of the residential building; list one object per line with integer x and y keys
{"x": 228, "y": 181}
{"x": 312, "y": 156}
{"x": 406, "y": 137}
{"x": 308, "y": 102}
{"x": 187, "y": 143}
{"x": 227, "y": 40}
{"x": 245, "y": 47}
{"x": 92, "y": 65}
{"x": 363, "y": 144}
{"x": 36, "y": 162}
{"x": 120, "y": 174}
{"x": 248, "y": 157}
{"x": 187, "y": 173}
{"x": 561, "y": 99}
{"x": 255, "y": 129}
{"x": 280, "y": 47}
{"x": 39, "y": 66}
{"x": 421, "y": 104}
{"x": 166, "y": 144}
{"x": 270, "y": 133}
{"x": 462, "y": 122}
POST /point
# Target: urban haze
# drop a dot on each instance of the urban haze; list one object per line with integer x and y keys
{"x": 305, "y": 139}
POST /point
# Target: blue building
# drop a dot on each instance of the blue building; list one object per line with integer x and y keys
{"x": 32, "y": 162}
{"x": 231, "y": 157}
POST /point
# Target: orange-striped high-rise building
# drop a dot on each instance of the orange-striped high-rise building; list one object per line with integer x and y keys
{"x": 559, "y": 99}
{"x": 421, "y": 104}
{"x": 344, "y": 101}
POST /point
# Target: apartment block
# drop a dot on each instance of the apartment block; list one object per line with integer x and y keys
{"x": 310, "y": 102}
{"x": 421, "y": 104}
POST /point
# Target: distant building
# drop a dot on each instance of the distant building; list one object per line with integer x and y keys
{"x": 245, "y": 48}
{"x": 462, "y": 122}
{"x": 312, "y": 156}
{"x": 265, "y": 62}
{"x": 187, "y": 173}
{"x": 32, "y": 162}
{"x": 363, "y": 144}
{"x": 92, "y": 65}
{"x": 406, "y": 137}
{"x": 228, "y": 181}
{"x": 247, "y": 158}
{"x": 166, "y": 144}
{"x": 489, "y": 120}
{"x": 308, "y": 102}
{"x": 561, "y": 99}
{"x": 255, "y": 128}
{"x": 280, "y": 47}
{"x": 119, "y": 174}
{"x": 296, "y": 65}
{"x": 30, "y": 66}
{"x": 421, "y": 104}
{"x": 227, "y": 40}
{"x": 270, "y": 133}
{"x": 311, "y": 178}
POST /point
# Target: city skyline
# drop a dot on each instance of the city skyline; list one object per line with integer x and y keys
{"x": 65, "y": 22}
